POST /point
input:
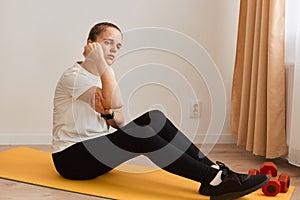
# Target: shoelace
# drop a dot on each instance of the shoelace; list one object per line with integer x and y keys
{"x": 228, "y": 174}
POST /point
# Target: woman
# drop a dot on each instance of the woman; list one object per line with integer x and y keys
{"x": 88, "y": 100}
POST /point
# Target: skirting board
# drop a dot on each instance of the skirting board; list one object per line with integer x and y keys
{"x": 225, "y": 138}
{"x": 46, "y": 139}
{"x": 25, "y": 139}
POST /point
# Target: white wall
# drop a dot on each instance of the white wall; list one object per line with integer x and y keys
{"x": 40, "y": 39}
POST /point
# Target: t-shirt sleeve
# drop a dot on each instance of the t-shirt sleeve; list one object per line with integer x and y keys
{"x": 75, "y": 84}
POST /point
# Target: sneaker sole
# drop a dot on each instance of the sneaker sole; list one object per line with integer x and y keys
{"x": 234, "y": 195}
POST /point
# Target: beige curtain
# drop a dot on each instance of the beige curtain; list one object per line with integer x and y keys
{"x": 258, "y": 90}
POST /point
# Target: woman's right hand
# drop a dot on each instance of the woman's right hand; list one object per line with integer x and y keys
{"x": 94, "y": 58}
{"x": 89, "y": 47}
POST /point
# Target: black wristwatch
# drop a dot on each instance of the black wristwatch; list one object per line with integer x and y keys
{"x": 108, "y": 116}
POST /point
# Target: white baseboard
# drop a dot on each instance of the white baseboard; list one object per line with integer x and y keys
{"x": 213, "y": 139}
{"x": 25, "y": 139}
{"x": 46, "y": 139}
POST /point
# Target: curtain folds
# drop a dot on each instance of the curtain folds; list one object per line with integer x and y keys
{"x": 258, "y": 89}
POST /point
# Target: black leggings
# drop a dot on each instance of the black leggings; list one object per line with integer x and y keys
{"x": 151, "y": 135}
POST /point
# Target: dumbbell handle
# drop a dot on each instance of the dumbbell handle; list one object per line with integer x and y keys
{"x": 270, "y": 173}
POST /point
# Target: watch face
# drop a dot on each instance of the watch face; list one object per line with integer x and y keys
{"x": 108, "y": 116}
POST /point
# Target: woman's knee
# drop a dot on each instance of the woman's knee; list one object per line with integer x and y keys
{"x": 149, "y": 117}
{"x": 158, "y": 120}
{"x": 157, "y": 114}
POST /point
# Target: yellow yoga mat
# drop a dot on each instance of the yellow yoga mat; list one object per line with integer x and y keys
{"x": 35, "y": 167}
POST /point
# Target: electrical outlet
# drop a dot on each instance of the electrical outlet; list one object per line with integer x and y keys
{"x": 195, "y": 109}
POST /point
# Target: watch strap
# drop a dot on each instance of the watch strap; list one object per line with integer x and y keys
{"x": 108, "y": 116}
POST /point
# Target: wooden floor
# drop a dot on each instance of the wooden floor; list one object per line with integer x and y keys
{"x": 236, "y": 158}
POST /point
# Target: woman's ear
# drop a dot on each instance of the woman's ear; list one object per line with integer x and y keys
{"x": 89, "y": 41}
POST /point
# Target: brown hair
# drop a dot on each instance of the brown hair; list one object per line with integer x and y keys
{"x": 99, "y": 28}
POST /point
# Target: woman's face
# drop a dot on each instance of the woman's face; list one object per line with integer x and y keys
{"x": 111, "y": 42}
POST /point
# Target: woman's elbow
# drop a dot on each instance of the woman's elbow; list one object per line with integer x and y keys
{"x": 110, "y": 101}
{"x": 112, "y": 104}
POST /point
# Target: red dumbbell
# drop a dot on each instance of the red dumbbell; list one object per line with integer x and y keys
{"x": 253, "y": 172}
{"x": 284, "y": 180}
{"x": 269, "y": 168}
{"x": 273, "y": 187}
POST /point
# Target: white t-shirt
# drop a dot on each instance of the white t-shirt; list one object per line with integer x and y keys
{"x": 75, "y": 120}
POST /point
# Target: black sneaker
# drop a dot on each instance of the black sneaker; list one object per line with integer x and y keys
{"x": 234, "y": 185}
